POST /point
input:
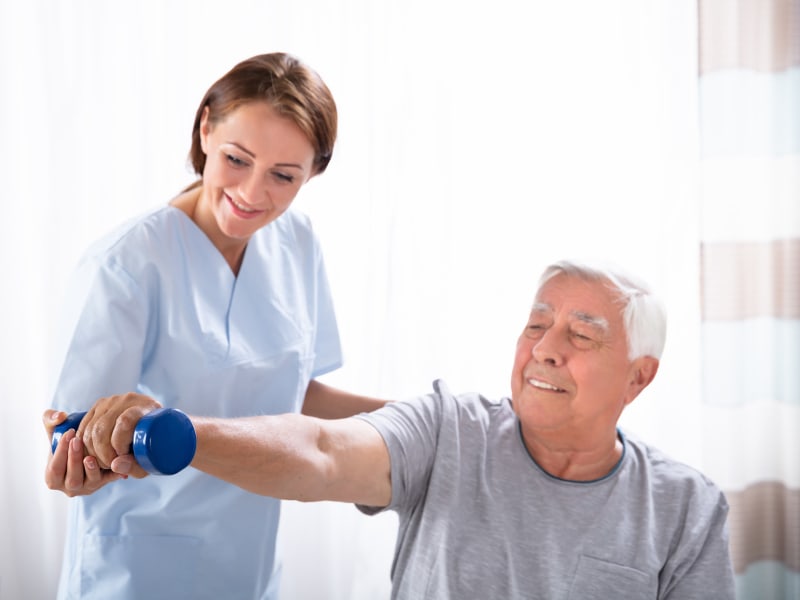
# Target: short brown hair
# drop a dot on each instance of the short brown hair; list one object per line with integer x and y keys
{"x": 290, "y": 87}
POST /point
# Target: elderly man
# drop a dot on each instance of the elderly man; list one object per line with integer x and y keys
{"x": 537, "y": 496}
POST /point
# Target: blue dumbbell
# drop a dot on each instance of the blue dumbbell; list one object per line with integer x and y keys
{"x": 164, "y": 440}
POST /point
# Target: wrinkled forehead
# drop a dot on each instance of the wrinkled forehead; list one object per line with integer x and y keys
{"x": 592, "y": 301}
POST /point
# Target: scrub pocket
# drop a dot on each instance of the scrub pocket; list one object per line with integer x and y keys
{"x": 135, "y": 567}
{"x": 597, "y": 578}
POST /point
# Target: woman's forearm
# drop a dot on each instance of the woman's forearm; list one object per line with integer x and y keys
{"x": 326, "y": 402}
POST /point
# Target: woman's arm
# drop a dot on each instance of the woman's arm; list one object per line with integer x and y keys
{"x": 103, "y": 331}
{"x": 324, "y": 402}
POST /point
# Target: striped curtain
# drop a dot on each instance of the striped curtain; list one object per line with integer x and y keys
{"x": 749, "y": 85}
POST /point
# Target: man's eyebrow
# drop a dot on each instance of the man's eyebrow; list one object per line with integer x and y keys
{"x": 541, "y": 307}
{"x": 596, "y": 322}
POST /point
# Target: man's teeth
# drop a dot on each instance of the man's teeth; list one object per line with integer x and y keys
{"x": 544, "y": 386}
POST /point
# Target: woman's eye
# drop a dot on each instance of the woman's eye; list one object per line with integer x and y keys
{"x": 235, "y": 160}
{"x": 283, "y": 177}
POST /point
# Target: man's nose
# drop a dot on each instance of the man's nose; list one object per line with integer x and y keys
{"x": 549, "y": 349}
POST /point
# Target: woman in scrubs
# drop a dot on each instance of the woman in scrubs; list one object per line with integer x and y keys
{"x": 220, "y": 294}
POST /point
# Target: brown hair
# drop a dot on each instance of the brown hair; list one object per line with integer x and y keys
{"x": 290, "y": 87}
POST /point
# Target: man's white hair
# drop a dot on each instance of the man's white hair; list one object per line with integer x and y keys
{"x": 643, "y": 314}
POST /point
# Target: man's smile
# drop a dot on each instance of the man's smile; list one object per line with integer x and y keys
{"x": 543, "y": 385}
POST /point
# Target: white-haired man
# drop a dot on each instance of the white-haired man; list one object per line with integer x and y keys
{"x": 536, "y": 496}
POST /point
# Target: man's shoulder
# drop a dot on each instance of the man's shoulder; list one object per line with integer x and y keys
{"x": 443, "y": 406}
{"x": 669, "y": 476}
{"x": 468, "y": 408}
{"x": 472, "y": 401}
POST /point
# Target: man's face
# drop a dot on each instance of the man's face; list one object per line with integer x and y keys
{"x": 571, "y": 371}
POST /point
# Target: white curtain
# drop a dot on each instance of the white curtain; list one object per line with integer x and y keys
{"x": 478, "y": 142}
{"x": 750, "y": 281}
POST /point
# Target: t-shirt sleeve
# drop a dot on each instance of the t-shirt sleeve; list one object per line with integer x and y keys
{"x": 701, "y": 567}
{"x": 102, "y": 336}
{"x": 410, "y": 430}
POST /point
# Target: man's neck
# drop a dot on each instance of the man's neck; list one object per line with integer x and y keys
{"x": 574, "y": 460}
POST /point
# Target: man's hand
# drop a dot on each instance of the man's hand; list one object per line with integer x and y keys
{"x": 107, "y": 429}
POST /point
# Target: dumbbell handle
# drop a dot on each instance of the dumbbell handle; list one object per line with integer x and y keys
{"x": 164, "y": 440}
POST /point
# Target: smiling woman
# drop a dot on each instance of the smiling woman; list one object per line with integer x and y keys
{"x": 260, "y": 133}
{"x": 172, "y": 304}
{"x": 256, "y": 162}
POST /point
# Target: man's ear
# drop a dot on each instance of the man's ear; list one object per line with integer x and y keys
{"x": 643, "y": 370}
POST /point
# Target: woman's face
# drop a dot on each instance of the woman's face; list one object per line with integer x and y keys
{"x": 256, "y": 161}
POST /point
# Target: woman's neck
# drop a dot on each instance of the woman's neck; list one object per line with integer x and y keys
{"x": 232, "y": 250}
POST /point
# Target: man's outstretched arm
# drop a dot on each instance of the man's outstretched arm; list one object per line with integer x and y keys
{"x": 290, "y": 456}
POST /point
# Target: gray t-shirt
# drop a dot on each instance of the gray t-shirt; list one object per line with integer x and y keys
{"x": 478, "y": 518}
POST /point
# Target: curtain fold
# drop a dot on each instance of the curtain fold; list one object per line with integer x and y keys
{"x": 749, "y": 86}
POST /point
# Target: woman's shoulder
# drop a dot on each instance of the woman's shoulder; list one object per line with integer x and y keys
{"x": 294, "y": 222}
{"x": 293, "y": 229}
{"x": 143, "y": 235}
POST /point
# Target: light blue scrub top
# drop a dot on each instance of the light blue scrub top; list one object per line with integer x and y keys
{"x": 156, "y": 309}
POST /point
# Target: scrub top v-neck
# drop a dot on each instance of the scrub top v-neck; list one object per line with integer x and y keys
{"x": 157, "y": 309}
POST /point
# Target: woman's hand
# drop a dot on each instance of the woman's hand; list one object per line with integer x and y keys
{"x": 70, "y": 470}
{"x": 82, "y": 461}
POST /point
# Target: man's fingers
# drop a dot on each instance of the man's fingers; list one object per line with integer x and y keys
{"x": 126, "y": 465}
{"x": 122, "y": 435}
{"x": 96, "y": 438}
